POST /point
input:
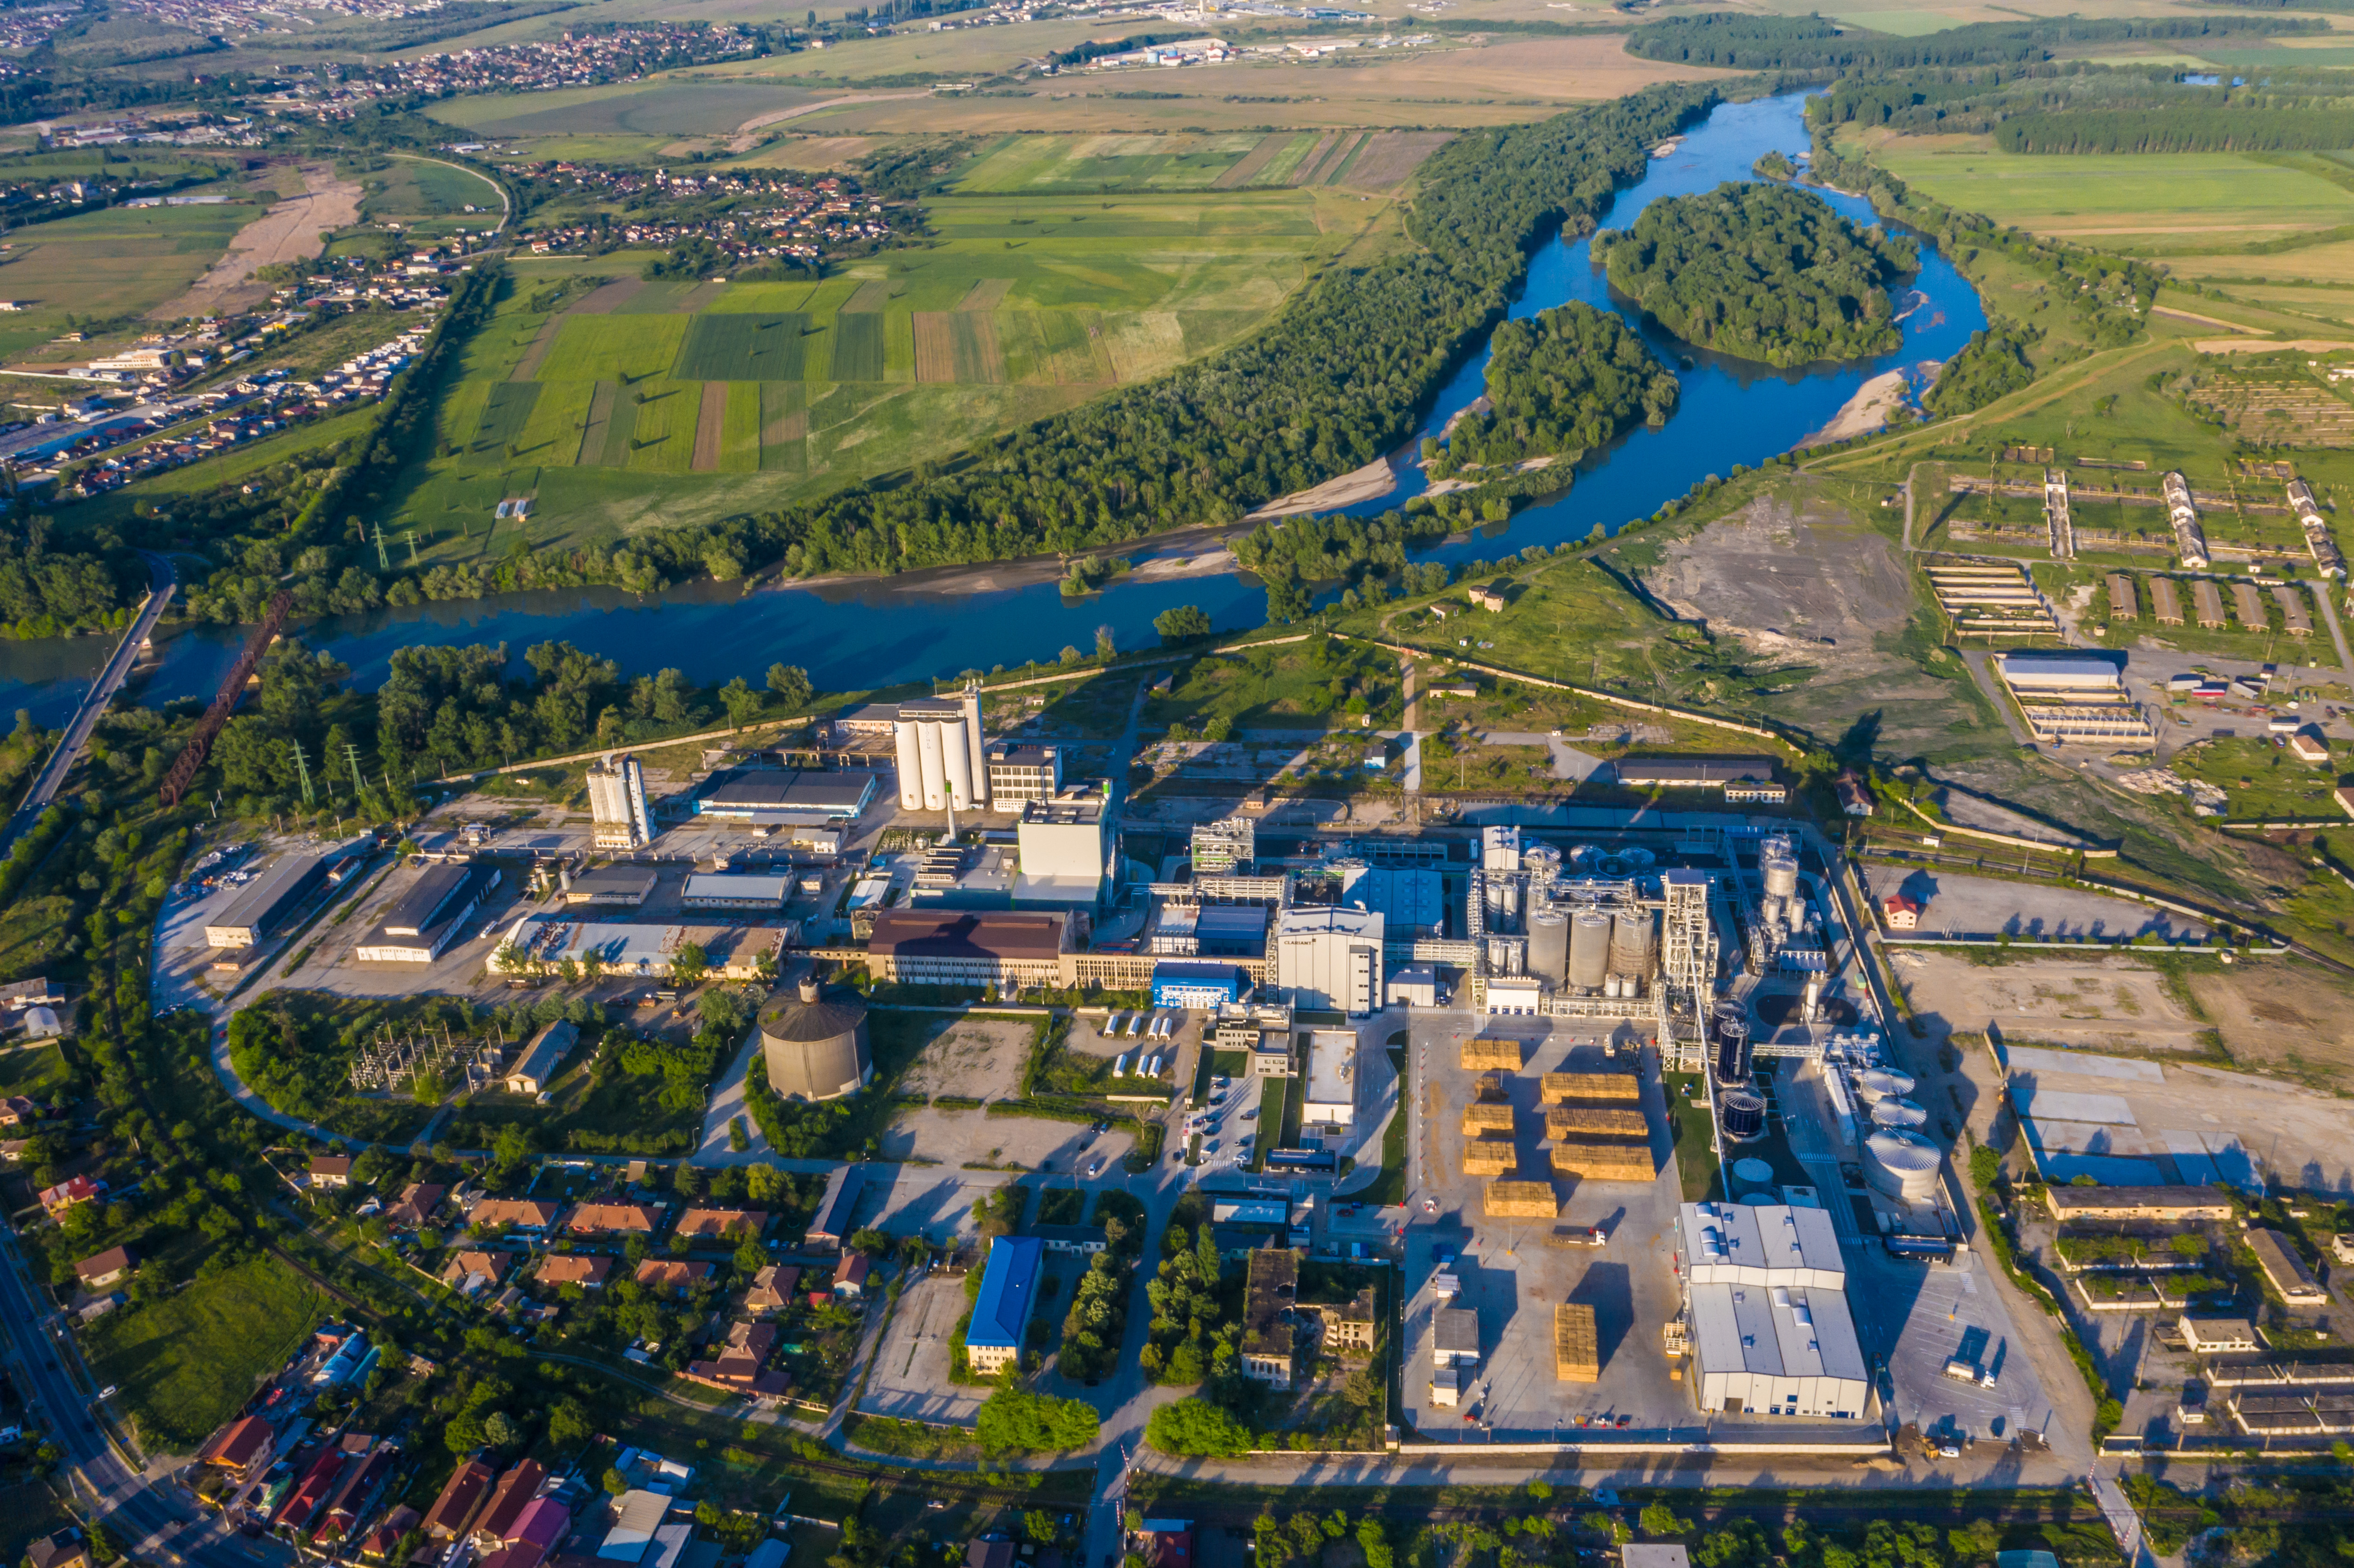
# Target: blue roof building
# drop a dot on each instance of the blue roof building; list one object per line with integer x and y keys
{"x": 1009, "y": 1288}
{"x": 1191, "y": 983}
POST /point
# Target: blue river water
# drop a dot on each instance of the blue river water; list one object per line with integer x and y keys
{"x": 859, "y": 635}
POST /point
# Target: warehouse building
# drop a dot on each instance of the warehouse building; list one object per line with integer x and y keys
{"x": 2166, "y": 1204}
{"x": 982, "y": 948}
{"x": 431, "y": 915}
{"x": 784, "y": 797}
{"x": 1746, "y": 1244}
{"x": 540, "y": 1058}
{"x": 1193, "y": 984}
{"x": 263, "y": 908}
{"x": 619, "y": 817}
{"x": 2283, "y": 1270}
{"x": 610, "y": 887}
{"x": 1697, "y": 773}
{"x": 1330, "y": 959}
{"x": 631, "y": 950}
{"x": 748, "y": 893}
{"x": 2066, "y": 695}
{"x": 1774, "y": 1349}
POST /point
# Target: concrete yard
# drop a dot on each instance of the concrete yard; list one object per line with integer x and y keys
{"x": 1987, "y": 907}
{"x": 959, "y": 1137}
{"x": 978, "y": 1058}
{"x": 910, "y": 1373}
{"x": 1915, "y": 1316}
{"x": 2076, "y": 1002}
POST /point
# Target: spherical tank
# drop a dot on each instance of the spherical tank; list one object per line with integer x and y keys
{"x": 1781, "y": 874}
{"x": 1549, "y": 944}
{"x": 1893, "y": 1112}
{"x": 956, "y": 760}
{"x": 815, "y": 1045}
{"x": 911, "y": 765}
{"x": 1589, "y": 949}
{"x": 936, "y": 777}
{"x": 1630, "y": 943}
{"x": 1902, "y": 1164}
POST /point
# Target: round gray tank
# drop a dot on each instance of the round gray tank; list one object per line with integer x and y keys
{"x": 1630, "y": 943}
{"x": 1751, "y": 1173}
{"x": 815, "y": 1045}
{"x": 1781, "y": 874}
{"x": 1549, "y": 945}
{"x": 1901, "y": 1164}
{"x": 1878, "y": 1084}
{"x": 1589, "y": 949}
{"x": 1893, "y": 1112}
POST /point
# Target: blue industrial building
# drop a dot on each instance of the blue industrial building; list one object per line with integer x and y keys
{"x": 1009, "y": 1288}
{"x": 1191, "y": 983}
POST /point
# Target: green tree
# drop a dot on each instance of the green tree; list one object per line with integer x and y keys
{"x": 742, "y": 702}
{"x": 689, "y": 965}
{"x": 1181, "y": 622}
{"x": 791, "y": 683}
{"x": 1012, "y": 1420}
{"x": 1194, "y": 1428}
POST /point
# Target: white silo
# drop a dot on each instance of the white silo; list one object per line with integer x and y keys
{"x": 911, "y": 764}
{"x": 1549, "y": 945}
{"x": 1898, "y": 1113}
{"x": 935, "y": 769}
{"x": 1901, "y": 1164}
{"x": 1630, "y": 944}
{"x": 1781, "y": 874}
{"x": 956, "y": 761}
{"x": 975, "y": 745}
{"x": 1589, "y": 949}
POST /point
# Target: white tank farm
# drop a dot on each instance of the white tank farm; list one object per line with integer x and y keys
{"x": 1589, "y": 949}
{"x": 1877, "y": 1084}
{"x": 1902, "y": 1164}
{"x": 1893, "y": 1112}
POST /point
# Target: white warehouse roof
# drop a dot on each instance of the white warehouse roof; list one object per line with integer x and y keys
{"x": 1762, "y": 1244}
{"x": 1775, "y": 1350}
{"x": 2031, "y": 667}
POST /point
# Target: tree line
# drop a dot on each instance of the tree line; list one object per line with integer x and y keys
{"x": 2177, "y": 131}
{"x": 1763, "y": 273}
{"x": 1746, "y": 42}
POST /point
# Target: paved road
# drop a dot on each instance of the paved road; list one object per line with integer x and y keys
{"x": 165, "y": 578}
{"x": 151, "y": 1520}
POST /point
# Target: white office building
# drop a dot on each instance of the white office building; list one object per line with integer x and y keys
{"x": 1332, "y": 1099}
{"x": 1330, "y": 959}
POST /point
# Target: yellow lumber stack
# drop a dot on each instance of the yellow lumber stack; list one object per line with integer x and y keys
{"x": 1600, "y": 1121}
{"x": 1577, "y": 1344}
{"x": 1485, "y": 1054}
{"x": 1489, "y": 1156}
{"x": 1519, "y": 1200}
{"x": 1484, "y": 1115}
{"x": 1603, "y": 1159}
{"x": 1612, "y": 1087}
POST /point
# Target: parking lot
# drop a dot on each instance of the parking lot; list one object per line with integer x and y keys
{"x": 1986, "y": 906}
{"x": 1916, "y": 1316}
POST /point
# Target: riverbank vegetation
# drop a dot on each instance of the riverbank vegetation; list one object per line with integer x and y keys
{"x": 1761, "y": 272}
{"x": 1560, "y": 383}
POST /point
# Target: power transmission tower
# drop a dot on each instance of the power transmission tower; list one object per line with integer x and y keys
{"x": 352, "y": 754}
{"x": 412, "y": 546}
{"x": 302, "y": 770}
{"x": 381, "y": 561}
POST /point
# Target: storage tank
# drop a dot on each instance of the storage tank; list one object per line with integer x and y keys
{"x": 1543, "y": 863}
{"x": 911, "y": 764}
{"x": 1589, "y": 949}
{"x": 1902, "y": 1164}
{"x": 815, "y": 1045}
{"x": 1781, "y": 874}
{"x": 955, "y": 759}
{"x": 1750, "y": 1174}
{"x": 936, "y": 773}
{"x": 1630, "y": 944}
{"x": 1733, "y": 1065}
{"x": 1742, "y": 1114}
{"x": 1893, "y": 1112}
{"x": 1877, "y": 1084}
{"x": 1549, "y": 945}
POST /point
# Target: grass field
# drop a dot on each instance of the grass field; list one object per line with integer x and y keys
{"x": 186, "y": 1363}
{"x": 407, "y": 191}
{"x": 123, "y": 262}
{"x": 1024, "y": 305}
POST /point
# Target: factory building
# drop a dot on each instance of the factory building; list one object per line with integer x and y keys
{"x": 2189, "y": 539}
{"x": 1270, "y": 1337}
{"x": 2284, "y": 1270}
{"x": 1411, "y": 901}
{"x": 617, "y": 804}
{"x": 2171, "y": 1204}
{"x": 610, "y": 887}
{"x": 1766, "y": 1314}
{"x": 1193, "y": 984}
{"x": 747, "y": 893}
{"x": 1330, "y": 959}
{"x": 1753, "y": 777}
{"x": 815, "y": 1046}
{"x": 984, "y": 948}
{"x": 1019, "y": 773}
{"x": 2066, "y": 696}
{"x": 260, "y": 909}
{"x": 943, "y": 760}
{"x": 1065, "y": 846}
{"x": 643, "y": 950}
{"x": 1000, "y": 1313}
{"x": 431, "y": 915}
{"x": 1331, "y": 1098}
{"x": 784, "y": 797}
{"x": 1225, "y": 848}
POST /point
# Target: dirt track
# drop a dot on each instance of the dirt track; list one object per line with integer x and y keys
{"x": 291, "y": 230}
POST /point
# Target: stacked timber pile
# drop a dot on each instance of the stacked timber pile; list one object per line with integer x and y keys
{"x": 1518, "y": 1201}
{"x": 1577, "y": 1344}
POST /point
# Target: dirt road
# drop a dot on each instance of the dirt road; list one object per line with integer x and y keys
{"x": 291, "y": 230}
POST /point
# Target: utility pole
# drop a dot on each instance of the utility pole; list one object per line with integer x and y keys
{"x": 302, "y": 770}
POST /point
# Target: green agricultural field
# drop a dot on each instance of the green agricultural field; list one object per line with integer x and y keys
{"x": 690, "y": 400}
{"x": 407, "y": 190}
{"x": 1021, "y": 164}
{"x": 187, "y": 1363}
{"x": 120, "y": 262}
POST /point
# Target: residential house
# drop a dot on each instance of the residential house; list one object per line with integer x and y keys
{"x": 244, "y": 1448}
{"x": 613, "y": 1219}
{"x": 471, "y": 1273}
{"x": 590, "y": 1272}
{"x": 331, "y": 1171}
{"x": 462, "y": 1497}
{"x": 106, "y": 1268}
{"x": 384, "y": 1539}
{"x": 991, "y": 1551}
{"x": 849, "y": 1279}
{"x": 415, "y": 1205}
{"x": 739, "y": 1365}
{"x": 57, "y": 1200}
{"x": 66, "y": 1549}
{"x": 540, "y": 1530}
{"x": 513, "y": 1493}
{"x": 730, "y": 1224}
{"x": 677, "y": 1271}
{"x": 772, "y": 1289}
{"x": 17, "y": 1110}
{"x": 512, "y": 1214}
{"x": 1901, "y": 911}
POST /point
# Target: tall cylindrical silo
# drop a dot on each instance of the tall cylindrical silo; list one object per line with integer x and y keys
{"x": 1549, "y": 945}
{"x": 957, "y": 761}
{"x": 911, "y": 765}
{"x": 1630, "y": 944}
{"x": 976, "y": 746}
{"x": 935, "y": 775}
{"x": 1781, "y": 872}
{"x": 1589, "y": 949}
{"x": 1902, "y": 1164}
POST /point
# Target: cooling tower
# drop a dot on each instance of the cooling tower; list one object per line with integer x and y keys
{"x": 1630, "y": 944}
{"x": 1901, "y": 1164}
{"x": 1742, "y": 1115}
{"x": 1549, "y": 945}
{"x": 1750, "y": 1175}
{"x": 1589, "y": 949}
{"x": 1898, "y": 1113}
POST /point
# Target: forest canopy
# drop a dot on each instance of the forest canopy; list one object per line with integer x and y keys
{"x": 1763, "y": 273}
{"x": 1562, "y": 382}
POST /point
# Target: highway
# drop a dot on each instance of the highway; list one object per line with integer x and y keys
{"x": 153, "y": 1520}
{"x": 165, "y": 579}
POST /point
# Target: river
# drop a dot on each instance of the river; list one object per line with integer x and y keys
{"x": 868, "y": 633}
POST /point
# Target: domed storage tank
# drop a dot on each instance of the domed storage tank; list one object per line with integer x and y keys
{"x": 1780, "y": 873}
{"x": 1750, "y": 1175}
{"x": 1877, "y": 1084}
{"x": 815, "y": 1045}
{"x": 1902, "y": 1164}
{"x": 1893, "y": 1112}
{"x": 1549, "y": 944}
{"x": 1742, "y": 1115}
{"x": 1542, "y": 864}
{"x": 1589, "y": 949}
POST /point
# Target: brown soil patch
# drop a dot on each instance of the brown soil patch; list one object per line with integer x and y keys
{"x": 987, "y": 294}
{"x": 1390, "y": 157}
{"x": 527, "y": 367}
{"x": 701, "y": 297}
{"x": 710, "y": 426}
{"x": 2250, "y": 1003}
{"x": 873, "y": 295}
{"x": 291, "y": 230}
{"x": 935, "y": 348}
{"x": 786, "y": 429}
{"x": 606, "y": 298}
{"x": 1303, "y": 175}
{"x": 600, "y": 422}
{"x": 744, "y": 140}
{"x": 1322, "y": 174}
{"x": 1247, "y": 171}
{"x": 2280, "y": 1012}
